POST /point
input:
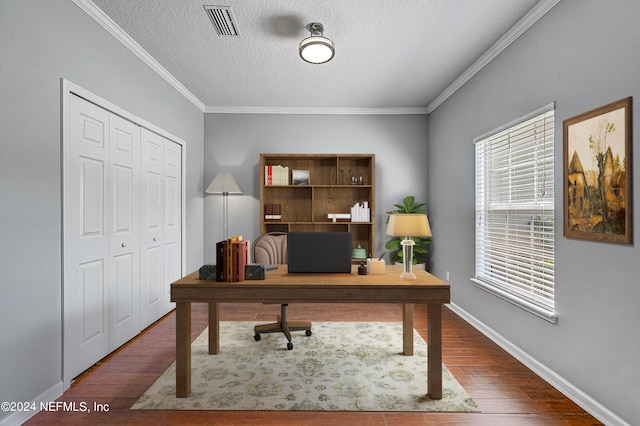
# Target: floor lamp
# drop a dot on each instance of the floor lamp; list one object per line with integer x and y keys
{"x": 225, "y": 184}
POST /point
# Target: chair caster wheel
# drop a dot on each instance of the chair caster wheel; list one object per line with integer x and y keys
{"x": 257, "y": 336}
{"x": 289, "y": 345}
{"x": 308, "y": 332}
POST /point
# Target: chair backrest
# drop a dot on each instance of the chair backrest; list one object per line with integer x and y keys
{"x": 270, "y": 248}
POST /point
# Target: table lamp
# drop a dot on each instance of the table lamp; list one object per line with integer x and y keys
{"x": 407, "y": 226}
{"x": 225, "y": 184}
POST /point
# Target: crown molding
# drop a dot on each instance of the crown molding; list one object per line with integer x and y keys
{"x": 505, "y": 41}
{"x": 313, "y": 110}
{"x": 107, "y": 23}
{"x": 538, "y": 11}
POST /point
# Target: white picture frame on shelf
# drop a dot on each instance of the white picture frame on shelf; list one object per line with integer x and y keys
{"x": 300, "y": 177}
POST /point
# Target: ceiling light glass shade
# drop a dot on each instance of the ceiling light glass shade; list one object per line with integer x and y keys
{"x": 316, "y": 49}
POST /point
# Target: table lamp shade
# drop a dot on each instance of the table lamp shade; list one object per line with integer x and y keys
{"x": 408, "y": 225}
{"x": 224, "y": 183}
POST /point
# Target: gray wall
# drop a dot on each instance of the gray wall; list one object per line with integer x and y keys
{"x": 582, "y": 54}
{"x": 40, "y": 42}
{"x": 234, "y": 142}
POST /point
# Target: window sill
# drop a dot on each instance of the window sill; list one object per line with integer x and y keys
{"x": 552, "y": 317}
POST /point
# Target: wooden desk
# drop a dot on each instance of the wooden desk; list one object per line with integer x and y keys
{"x": 282, "y": 287}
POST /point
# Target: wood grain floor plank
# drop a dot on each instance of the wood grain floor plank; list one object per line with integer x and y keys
{"x": 505, "y": 390}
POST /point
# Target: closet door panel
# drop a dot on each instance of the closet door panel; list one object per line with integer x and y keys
{"x": 152, "y": 205}
{"x": 124, "y": 238}
{"x": 172, "y": 232}
{"x": 86, "y": 238}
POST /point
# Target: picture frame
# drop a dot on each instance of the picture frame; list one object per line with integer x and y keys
{"x": 598, "y": 174}
{"x": 300, "y": 177}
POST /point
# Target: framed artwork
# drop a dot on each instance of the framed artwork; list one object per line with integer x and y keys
{"x": 300, "y": 177}
{"x": 597, "y": 174}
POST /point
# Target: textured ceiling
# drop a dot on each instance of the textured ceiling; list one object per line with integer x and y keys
{"x": 390, "y": 54}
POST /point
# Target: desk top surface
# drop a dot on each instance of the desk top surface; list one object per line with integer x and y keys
{"x": 281, "y": 276}
{"x": 311, "y": 287}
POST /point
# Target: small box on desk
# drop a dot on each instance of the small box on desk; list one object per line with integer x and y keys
{"x": 375, "y": 266}
{"x": 207, "y": 272}
{"x": 255, "y": 271}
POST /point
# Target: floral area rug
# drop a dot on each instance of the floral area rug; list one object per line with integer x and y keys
{"x": 343, "y": 366}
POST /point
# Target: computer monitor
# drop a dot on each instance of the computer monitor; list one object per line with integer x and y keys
{"x": 319, "y": 252}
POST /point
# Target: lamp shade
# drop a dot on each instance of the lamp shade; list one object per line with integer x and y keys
{"x": 224, "y": 183}
{"x": 408, "y": 225}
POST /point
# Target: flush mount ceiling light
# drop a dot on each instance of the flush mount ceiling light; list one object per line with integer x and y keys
{"x": 316, "y": 49}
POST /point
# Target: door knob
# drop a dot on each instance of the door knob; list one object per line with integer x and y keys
{"x": 124, "y": 244}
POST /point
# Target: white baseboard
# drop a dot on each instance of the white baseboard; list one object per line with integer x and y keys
{"x": 587, "y": 403}
{"x": 20, "y": 417}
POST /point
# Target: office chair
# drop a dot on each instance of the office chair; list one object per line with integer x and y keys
{"x": 271, "y": 249}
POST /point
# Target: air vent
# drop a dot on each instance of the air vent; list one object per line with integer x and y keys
{"x": 222, "y": 20}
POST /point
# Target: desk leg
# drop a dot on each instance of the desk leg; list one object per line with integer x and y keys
{"x": 434, "y": 350}
{"x": 183, "y": 349}
{"x": 214, "y": 329}
{"x": 407, "y": 329}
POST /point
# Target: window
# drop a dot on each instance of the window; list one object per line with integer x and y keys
{"x": 515, "y": 212}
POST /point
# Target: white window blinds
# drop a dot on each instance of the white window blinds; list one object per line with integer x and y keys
{"x": 515, "y": 212}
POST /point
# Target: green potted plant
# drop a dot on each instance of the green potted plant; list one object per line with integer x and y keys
{"x": 420, "y": 251}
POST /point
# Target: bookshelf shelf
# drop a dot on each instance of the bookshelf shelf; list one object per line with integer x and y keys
{"x": 305, "y": 208}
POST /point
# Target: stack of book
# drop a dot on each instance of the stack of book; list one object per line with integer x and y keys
{"x": 232, "y": 255}
{"x": 338, "y": 217}
{"x": 272, "y": 212}
{"x": 361, "y": 212}
{"x": 276, "y": 175}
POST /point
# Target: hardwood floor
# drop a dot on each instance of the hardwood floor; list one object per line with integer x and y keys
{"x": 506, "y": 392}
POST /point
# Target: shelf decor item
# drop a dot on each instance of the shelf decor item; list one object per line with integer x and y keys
{"x": 407, "y": 226}
{"x": 276, "y": 175}
{"x": 272, "y": 212}
{"x": 359, "y": 253}
{"x": 300, "y": 177}
{"x": 360, "y": 212}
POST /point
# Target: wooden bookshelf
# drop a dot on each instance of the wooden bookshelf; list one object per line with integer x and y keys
{"x": 305, "y": 208}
